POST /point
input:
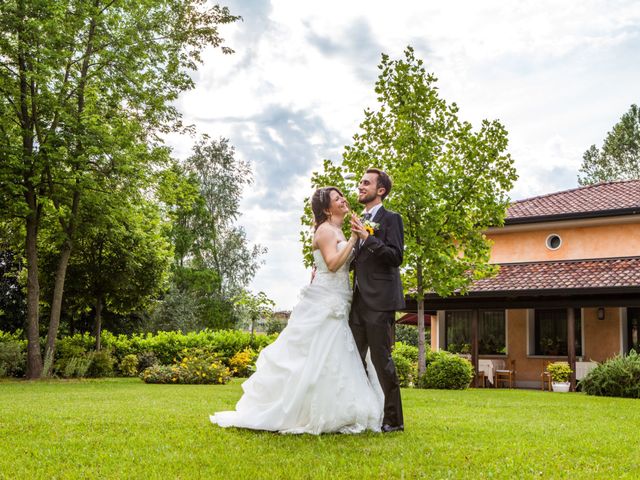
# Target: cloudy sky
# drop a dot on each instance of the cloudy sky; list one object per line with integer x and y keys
{"x": 557, "y": 74}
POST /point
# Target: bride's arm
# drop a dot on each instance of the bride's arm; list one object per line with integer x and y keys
{"x": 326, "y": 240}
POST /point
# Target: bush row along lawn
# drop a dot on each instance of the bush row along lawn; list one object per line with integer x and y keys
{"x": 123, "y": 428}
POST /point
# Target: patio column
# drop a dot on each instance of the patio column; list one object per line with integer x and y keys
{"x": 474, "y": 344}
{"x": 571, "y": 345}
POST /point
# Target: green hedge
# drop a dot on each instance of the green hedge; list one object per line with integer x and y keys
{"x": 13, "y": 354}
{"x": 163, "y": 346}
{"x": 446, "y": 371}
{"x": 405, "y": 358}
{"x": 166, "y": 346}
{"x": 617, "y": 377}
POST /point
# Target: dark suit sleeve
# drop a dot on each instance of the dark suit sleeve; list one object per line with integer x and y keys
{"x": 389, "y": 251}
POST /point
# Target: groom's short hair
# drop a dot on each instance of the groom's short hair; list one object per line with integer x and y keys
{"x": 383, "y": 180}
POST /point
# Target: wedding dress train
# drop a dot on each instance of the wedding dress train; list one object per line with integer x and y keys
{"x": 311, "y": 378}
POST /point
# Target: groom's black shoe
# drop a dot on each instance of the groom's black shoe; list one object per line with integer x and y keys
{"x": 392, "y": 428}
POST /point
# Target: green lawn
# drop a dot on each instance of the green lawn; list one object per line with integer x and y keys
{"x": 122, "y": 428}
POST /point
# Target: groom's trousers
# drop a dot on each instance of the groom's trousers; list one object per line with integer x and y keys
{"x": 374, "y": 330}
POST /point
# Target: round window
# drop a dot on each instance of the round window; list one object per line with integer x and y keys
{"x": 554, "y": 241}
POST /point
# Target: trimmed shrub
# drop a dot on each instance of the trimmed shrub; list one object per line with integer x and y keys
{"x": 197, "y": 366}
{"x": 166, "y": 346}
{"x": 243, "y": 363}
{"x": 13, "y": 358}
{"x": 432, "y": 356}
{"x": 617, "y": 377}
{"x": 101, "y": 364}
{"x": 146, "y": 360}
{"x": 407, "y": 371}
{"x": 447, "y": 371}
{"x": 405, "y": 358}
{"x": 408, "y": 351}
{"x": 129, "y": 366}
{"x": 161, "y": 374}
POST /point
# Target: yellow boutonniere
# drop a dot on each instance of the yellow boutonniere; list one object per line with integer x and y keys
{"x": 370, "y": 226}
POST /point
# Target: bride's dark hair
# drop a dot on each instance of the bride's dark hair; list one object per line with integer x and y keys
{"x": 320, "y": 202}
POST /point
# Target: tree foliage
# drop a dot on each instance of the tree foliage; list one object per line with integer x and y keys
{"x": 86, "y": 90}
{"x": 218, "y": 242}
{"x": 120, "y": 261}
{"x": 619, "y": 157}
{"x": 255, "y": 309}
{"x": 214, "y": 262}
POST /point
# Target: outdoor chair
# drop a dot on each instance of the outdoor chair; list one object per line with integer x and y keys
{"x": 505, "y": 375}
{"x": 545, "y": 376}
{"x": 480, "y": 379}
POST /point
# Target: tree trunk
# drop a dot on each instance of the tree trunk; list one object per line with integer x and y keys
{"x": 34, "y": 357}
{"x": 97, "y": 328}
{"x": 58, "y": 289}
{"x": 422, "y": 359}
{"x": 56, "y": 308}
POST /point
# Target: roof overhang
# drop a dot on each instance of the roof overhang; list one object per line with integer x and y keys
{"x": 551, "y": 284}
{"x": 553, "y": 222}
{"x": 573, "y": 216}
{"x": 548, "y": 298}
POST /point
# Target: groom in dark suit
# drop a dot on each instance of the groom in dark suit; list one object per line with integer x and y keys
{"x": 377, "y": 292}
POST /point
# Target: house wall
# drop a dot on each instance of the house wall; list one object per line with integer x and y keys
{"x": 601, "y": 340}
{"x": 601, "y": 241}
{"x": 601, "y": 337}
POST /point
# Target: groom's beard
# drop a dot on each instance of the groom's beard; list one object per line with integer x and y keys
{"x": 367, "y": 199}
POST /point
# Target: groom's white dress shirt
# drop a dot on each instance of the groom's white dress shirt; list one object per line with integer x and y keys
{"x": 372, "y": 212}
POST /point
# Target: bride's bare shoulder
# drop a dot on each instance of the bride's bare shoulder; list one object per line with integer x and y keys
{"x": 324, "y": 235}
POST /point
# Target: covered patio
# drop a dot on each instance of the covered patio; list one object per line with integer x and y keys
{"x": 580, "y": 292}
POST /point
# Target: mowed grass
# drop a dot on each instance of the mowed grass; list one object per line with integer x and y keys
{"x": 123, "y": 428}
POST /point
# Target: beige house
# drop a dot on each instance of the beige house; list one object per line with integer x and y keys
{"x": 568, "y": 286}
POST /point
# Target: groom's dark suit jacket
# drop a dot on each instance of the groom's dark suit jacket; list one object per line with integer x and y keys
{"x": 377, "y": 263}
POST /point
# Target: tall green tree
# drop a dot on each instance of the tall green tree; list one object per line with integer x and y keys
{"x": 86, "y": 90}
{"x": 450, "y": 182}
{"x": 120, "y": 261}
{"x": 214, "y": 262}
{"x": 255, "y": 309}
{"x": 219, "y": 243}
{"x": 619, "y": 157}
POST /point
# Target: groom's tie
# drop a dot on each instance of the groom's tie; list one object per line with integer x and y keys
{"x": 365, "y": 217}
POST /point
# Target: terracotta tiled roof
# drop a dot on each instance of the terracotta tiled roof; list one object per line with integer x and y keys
{"x": 568, "y": 274}
{"x": 594, "y": 198}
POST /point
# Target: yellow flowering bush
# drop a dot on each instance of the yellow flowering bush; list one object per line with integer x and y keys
{"x": 243, "y": 363}
{"x": 195, "y": 366}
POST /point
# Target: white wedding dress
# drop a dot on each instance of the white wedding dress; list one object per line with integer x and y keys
{"x": 311, "y": 378}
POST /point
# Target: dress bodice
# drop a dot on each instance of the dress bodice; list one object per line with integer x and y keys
{"x": 325, "y": 276}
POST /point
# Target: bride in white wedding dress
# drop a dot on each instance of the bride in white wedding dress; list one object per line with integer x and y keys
{"x": 311, "y": 378}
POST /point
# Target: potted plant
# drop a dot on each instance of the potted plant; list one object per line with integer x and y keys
{"x": 560, "y": 374}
